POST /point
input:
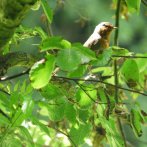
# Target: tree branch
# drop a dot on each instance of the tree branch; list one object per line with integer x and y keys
{"x": 15, "y": 76}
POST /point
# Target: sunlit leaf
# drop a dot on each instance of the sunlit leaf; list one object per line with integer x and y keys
{"x": 41, "y": 72}
{"x": 86, "y": 96}
{"x": 54, "y": 43}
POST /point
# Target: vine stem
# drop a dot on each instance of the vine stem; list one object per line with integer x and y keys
{"x": 117, "y": 14}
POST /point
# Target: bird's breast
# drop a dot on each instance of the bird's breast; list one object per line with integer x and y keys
{"x": 101, "y": 45}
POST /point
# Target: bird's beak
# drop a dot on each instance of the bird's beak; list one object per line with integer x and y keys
{"x": 115, "y": 27}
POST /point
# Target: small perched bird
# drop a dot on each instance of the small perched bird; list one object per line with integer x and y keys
{"x": 100, "y": 38}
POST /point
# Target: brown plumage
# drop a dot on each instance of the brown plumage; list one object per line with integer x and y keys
{"x": 100, "y": 38}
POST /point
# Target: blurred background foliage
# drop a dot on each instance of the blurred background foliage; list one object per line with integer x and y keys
{"x": 75, "y": 20}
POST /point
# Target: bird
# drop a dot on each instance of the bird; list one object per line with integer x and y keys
{"x": 100, "y": 38}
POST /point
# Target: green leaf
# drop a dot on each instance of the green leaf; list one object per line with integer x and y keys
{"x": 51, "y": 92}
{"x": 54, "y": 43}
{"x": 141, "y": 62}
{"x": 79, "y": 72}
{"x": 131, "y": 72}
{"x": 119, "y": 51}
{"x": 4, "y": 120}
{"x": 70, "y": 113}
{"x": 41, "y": 33}
{"x": 86, "y": 96}
{"x": 14, "y": 100}
{"x": 78, "y": 134}
{"x": 135, "y": 120}
{"x": 133, "y": 5}
{"x": 56, "y": 110}
{"x": 47, "y": 10}
{"x": 83, "y": 115}
{"x": 103, "y": 58}
{"x": 68, "y": 59}
{"x": 18, "y": 118}
{"x": 41, "y": 72}
{"x": 86, "y": 53}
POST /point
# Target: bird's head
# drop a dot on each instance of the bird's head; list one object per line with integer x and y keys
{"x": 104, "y": 29}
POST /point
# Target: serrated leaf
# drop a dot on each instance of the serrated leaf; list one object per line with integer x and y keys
{"x": 54, "y": 43}
{"x": 78, "y": 134}
{"x": 68, "y": 59}
{"x": 41, "y": 72}
{"x": 47, "y": 10}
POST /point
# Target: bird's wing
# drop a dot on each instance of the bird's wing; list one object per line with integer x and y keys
{"x": 92, "y": 40}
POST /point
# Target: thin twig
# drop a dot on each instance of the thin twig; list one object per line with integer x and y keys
{"x": 116, "y": 81}
{"x": 1, "y": 90}
{"x": 115, "y": 69}
{"x": 129, "y": 56}
{"x": 14, "y": 76}
{"x": 116, "y": 99}
{"x": 95, "y": 81}
{"x": 85, "y": 92}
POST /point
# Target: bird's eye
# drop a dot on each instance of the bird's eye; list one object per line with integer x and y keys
{"x": 105, "y": 25}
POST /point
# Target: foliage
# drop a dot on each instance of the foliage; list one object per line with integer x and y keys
{"x": 70, "y": 95}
